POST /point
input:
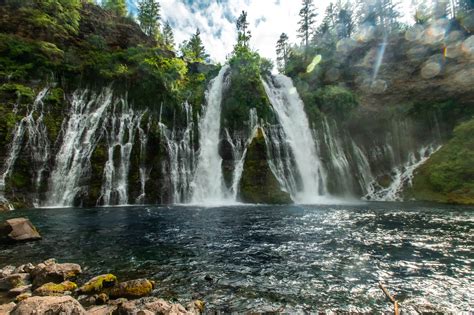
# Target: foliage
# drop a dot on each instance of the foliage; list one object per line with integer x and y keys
{"x": 243, "y": 33}
{"x": 283, "y": 52}
{"x": 118, "y": 7}
{"x": 194, "y": 50}
{"x": 149, "y": 17}
{"x": 336, "y": 101}
{"x": 168, "y": 36}
{"x": 448, "y": 176}
{"x": 307, "y": 15}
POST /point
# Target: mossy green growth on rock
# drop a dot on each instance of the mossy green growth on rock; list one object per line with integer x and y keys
{"x": 448, "y": 176}
{"x": 132, "y": 289}
{"x": 55, "y": 289}
{"x": 258, "y": 183}
{"x": 99, "y": 283}
{"x": 16, "y": 91}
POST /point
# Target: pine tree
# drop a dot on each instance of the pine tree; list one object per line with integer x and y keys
{"x": 118, "y": 7}
{"x": 194, "y": 49}
{"x": 149, "y": 17}
{"x": 283, "y": 52}
{"x": 307, "y": 15}
{"x": 243, "y": 34}
{"x": 345, "y": 22}
{"x": 168, "y": 36}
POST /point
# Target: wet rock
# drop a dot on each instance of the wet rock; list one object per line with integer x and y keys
{"x": 18, "y": 229}
{"x": 97, "y": 284}
{"x": 54, "y": 289}
{"x": 151, "y": 305}
{"x": 26, "y": 268}
{"x": 102, "y": 299}
{"x": 51, "y": 305}
{"x": 6, "y": 271}
{"x": 7, "y": 308}
{"x": 20, "y": 290}
{"x": 50, "y": 271}
{"x": 87, "y": 300}
{"x": 103, "y": 310}
{"x": 4, "y": 207}
{"x": 14, "y": 280}
{"x": 131, "y": 289}
{"x": 208, "y": 278}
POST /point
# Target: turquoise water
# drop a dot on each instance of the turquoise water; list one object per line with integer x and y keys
{"x": 267, "y": 258}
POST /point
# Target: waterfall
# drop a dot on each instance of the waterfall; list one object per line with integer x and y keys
{"x": 180, "y": 149}
{"x": 37, "y": 143}
{"x": 80, "y": 137}
{"x": 208, "y": 183}
{"x": 143, "y": 134}
{"x": 289, "y": 109}
{"x": 402, "y": 176}
{"x": 120, "y": 134}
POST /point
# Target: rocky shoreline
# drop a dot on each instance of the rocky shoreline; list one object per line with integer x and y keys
{"x": 54, "y": 288}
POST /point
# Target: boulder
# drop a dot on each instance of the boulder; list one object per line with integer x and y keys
{"x": 23, "y": 296}
{"x": 54, "y": 289}
{"x": 14, "y": 280}
{"x": 20, "y": 290}
{"x": 51, "y": 305}
{"x": 151, "y": 305}
{"x": 132, "y": 289}
{"x": 26, "y": 268}
{"x": 102, "y": 310}
{"x": 50, "y": 271}
{"x": 18, "y": 229}
{"x": 7, "y": 308}
{"x": 7, "y": 270}
{"x": 97, "y": 284}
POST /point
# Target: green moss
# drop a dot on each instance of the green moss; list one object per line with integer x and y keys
{"x": 448, "y": 176}
{"x": 131, "y": 289}
{"x": 258, "y": 183}
{"x": 99, "y": 283}
{"x": 54, "y": 289}
{"x": 24, "y": 93}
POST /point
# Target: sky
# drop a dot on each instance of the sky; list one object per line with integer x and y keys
{"x": 216, "y": 21}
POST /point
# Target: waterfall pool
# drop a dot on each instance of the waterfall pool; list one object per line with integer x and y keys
{"x": 271, "y": 258}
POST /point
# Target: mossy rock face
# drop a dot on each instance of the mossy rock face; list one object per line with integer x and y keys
{"x": 448, "y": 175}
{"x": 258, "y": 183}
{"x": 54, "y": 289}
{"x": 132, "y": 289}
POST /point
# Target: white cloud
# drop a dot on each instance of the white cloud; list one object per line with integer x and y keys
{"x": 216, "y": 21}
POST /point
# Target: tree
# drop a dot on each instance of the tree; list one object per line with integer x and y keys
{"x": 345, "y": 22}
{"x": 381, "y": 13}
{"x": 118, "y": 7}
{"x": 194, "y": 49}
{"x": 307, "y": 15}
{"x": 149, "y": 17}
{"x": 168, "y": 36}
{"x": 283, "y": 52}
{"x": 243, "y": 34}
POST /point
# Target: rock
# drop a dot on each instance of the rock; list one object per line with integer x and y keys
{"x": 7, "y": 308}
{"x": 18, "y": 229}
{"x": 53, "y": 289}
{"x": 4, "y": 206}
{"x": 151, "y": 305}
{"x": 14, "y": 280}
{"x": 20, "y": 290}
{"x": 196, "y": 306}
{"x": 87, "y": 300}
{"x": 131, "y": 289}
{"x": 102, "y": 298}
{"x": 51, "y": 305}
{"x": 50, "y": 271}
{"x": 23, "y": 296}
{"x": 6, "y": 271}
{"x": 27, "y": 268}
{"x": 97, "y": 284}
{"x": 103, "y": 310}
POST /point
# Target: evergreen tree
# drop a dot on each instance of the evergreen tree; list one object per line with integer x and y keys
{"x": 118, "y": 7}
{"x": 345, "y": 22}
{"x": 283, "y": 52}
{"x": 149, "y": 17}
{"x": 243, "y": 34}
{"x": 168, "y": 36}
{"x": 307, "y": 15}
{"x": 194, "y": 49}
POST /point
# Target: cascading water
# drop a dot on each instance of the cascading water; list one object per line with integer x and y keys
{"x": 208, "y": 183}
{"x": 289, "y": 109}
{"x": 38, "y": 145}
{"x": 120, "y": 134}
{"x": 181, "y": 156}
{"x": 82, "y": 134}
{"x": 143, "y": 168}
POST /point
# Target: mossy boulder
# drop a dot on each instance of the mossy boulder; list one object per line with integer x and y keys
{"x": 99, "y": 283}
{"x": 55, "y": 289}
{"x": 258, "y": 183}
{"x": 448, "y": 175}
{"x": 132, "y": 289}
